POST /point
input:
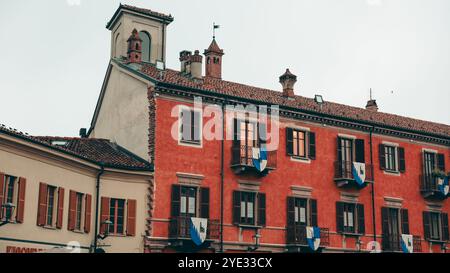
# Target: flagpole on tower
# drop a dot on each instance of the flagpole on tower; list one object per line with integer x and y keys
{"x": 214, "y": 30}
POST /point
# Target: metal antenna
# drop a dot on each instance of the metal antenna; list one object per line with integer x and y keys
{"x": 370, "y": 93}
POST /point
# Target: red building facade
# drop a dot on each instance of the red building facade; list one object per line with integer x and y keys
{"x": 312, "y": 178}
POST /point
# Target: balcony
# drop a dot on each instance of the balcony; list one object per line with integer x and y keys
{"x": 429, "y": 187}
{"x": 242, "y": 161}
{"x": 343, "y": 175}
{"x": 392, "y": 243}
{"x": 179, "y": 232}
{"x": 296, "y": 237}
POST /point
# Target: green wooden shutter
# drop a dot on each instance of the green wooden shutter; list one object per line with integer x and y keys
{"x": 360, "y": 151}
{"x": 204, "y": 202}
{"x": 312, "y": 145}
{"x": 382, "y": 156}
{"x": 405, "y": 221}
{"x": 289, "y": 141}
{"x": 401, "y": 160}
{"x": 445, "y": 235}
{"x": 340, "y": 217}
{"x": 426, "y": 224}
{"x": 313, "y": 212}
{"x": 176, "y": 200}
{"x": 237, "y": 207}
{"x": 361, "y": 220}
{"x": 261, "y": 209}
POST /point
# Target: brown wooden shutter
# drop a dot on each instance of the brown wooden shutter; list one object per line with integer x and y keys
{"x": 340, "y": 217}
{"x": 290, "y": 219}
{"x": 405, "y": 221}
{"x": 21, "y": 200}
{"x": 261, "y": 209}
{"x": 312, "y": 145}
{"x": 204, "y": 203}
{"x": 2, "y": 190}
{"x": 104, "y": 214}
{"x": 60, "y": 212}
{"x": 131, "y": 217}
{"x": 360, "y": 151}
{"x": 382, "y": 155}
{"x": 445, "y": 235}
{"x": 361, "y": 220}
{"x": 236, "y": 207}
{"x": 176, "y": 201}
{"x": 42, "y": 204}
{"x": 289, "y": 141}
{"x": 72, "y": 210}
{"x": 87, "y": 213}
{"x": 385, "y": 228}
{"x": 313, "y": 212}
{"x": 426, "y": 224}
{"x": 441, "y": 162}
{"x": 401, "y": 160}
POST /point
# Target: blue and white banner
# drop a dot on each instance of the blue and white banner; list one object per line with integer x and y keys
{"x": 259, "y": 156}
{"x": 359, "y": 173}
{"x": 313, "y": 237}
{"x": 443, "y": 185}
{"x": 407, "y": 243}
{"x": 198, "y": 229}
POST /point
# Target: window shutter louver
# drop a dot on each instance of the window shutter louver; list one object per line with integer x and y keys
{"x": 405, "y": 221}
{"x": 445, "y": 235}
{"x": 312, "y": 145}
{"x": 2, "y": 190}
{"x": 441, "y": 162}
{"x": 42, "y": 205}
{"x": 72, "y": 210}
{"x": 262, "y": 133}
{"x": 261, "y": 209}
{"x": 196, "y": 126}
{"x": 176, "y": 200}
{"x": 87, "y": 213}
{"x": 382, "y": 154}
{"x": 361, "y": 220}
{"x": 401, "y": 160}
{"x": 385, "y": 227}
{"x": 204, "y": 203}
{"x": 426, "y": 224}
{"x": 360, "y": 151}
{"x": 59, "y": 216}
{"x": 237, "y": 207}
{"x": 340, "y": 217}
{"x": 236, "y": 130}
{"x": 104, "y": 214}
{"x": 131, "y": 217}
{"x": 339, "y": 149}
{"x": 313, "y": 212}
{"x": 290, "y": 219}
{"x": 289, "y": 142}
{"x": 21, "y": 200}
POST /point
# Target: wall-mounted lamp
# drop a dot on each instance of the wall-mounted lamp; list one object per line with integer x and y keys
{"x": 106, "y": 233}
{"x": 257, "y": 236}
{"x": 8, "y": 212}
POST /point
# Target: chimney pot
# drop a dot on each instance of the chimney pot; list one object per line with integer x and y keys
{"x": 288, "y": 81}
{"x": 196, "y": 65}
{"x": 372, "y": 106}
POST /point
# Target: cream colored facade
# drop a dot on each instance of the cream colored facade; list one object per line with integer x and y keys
{"x": 122, "y": 114}
{"x": 37, "y": 163}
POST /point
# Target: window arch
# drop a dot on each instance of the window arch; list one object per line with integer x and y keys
{"x": 146, "y": 45}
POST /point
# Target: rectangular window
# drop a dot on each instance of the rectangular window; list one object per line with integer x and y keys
{"x": 391, "y": 158}
{"x": 299, "y": 144}
{"x": 191, "y": 123}
{"x": 349, "y": 218}
{"x": 301, "y": 211}
{"x": 116, "y": 216}
{"x": 429, "y": 163}
{"x": 188, "y": 206}
{"x": 79, "y": 211}
{"x": 248, "y": 208}
{"x": 435, "y": 226}
{"x": 10, "y": 196}
{"x": 51, "y": 211}
{"x": 346, "y": 150}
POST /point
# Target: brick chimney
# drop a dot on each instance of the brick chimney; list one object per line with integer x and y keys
{"x": 213, "y": 65}
{"x": 196, "y": 65}
{"x": 288, "y": 81}
{"x": 372, "y": 106}
{"x": 134, "y": 51}
{"x": 185, "y": 60}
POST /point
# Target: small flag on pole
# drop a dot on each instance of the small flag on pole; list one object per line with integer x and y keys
{"x": 214, "y": 29}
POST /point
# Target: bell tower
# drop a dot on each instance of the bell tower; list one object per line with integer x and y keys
{"x": 213, "y": 64}
{"x": 150, "y": 26}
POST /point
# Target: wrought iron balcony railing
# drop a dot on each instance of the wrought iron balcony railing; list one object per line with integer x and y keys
{"x": 296, "y": 235}
{"x": 242, "y": 157}
{"x": 392, "y": 243}
{"x": 343, "y": 173}
{"x": 179, "y": 228}
{"x": 429, "y": 187}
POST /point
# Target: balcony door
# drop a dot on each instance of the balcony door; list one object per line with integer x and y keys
{"x": 345, "y": 156}
{"x": 429, "y": 163}
{"x": 248, "y": 132}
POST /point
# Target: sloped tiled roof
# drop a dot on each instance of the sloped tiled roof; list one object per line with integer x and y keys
{"x": 168, "y": 18}
{"x": 98, "y": 151}
{"x": 273, "y": 97}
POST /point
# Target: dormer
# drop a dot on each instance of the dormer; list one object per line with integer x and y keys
{"x": 151, "y": 27}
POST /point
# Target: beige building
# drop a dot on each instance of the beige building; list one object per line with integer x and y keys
{"x": 48, "y": 192}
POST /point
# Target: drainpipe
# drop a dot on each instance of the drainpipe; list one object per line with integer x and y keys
{"x": 222, "y": 175}
{"x": 373, "y": 186}
{"x": 97, "y": 205}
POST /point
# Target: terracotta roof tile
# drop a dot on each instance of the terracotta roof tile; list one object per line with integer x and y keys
{"x": 272, "y": 97}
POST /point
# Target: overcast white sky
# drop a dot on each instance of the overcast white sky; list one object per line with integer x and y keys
{"x": 55, "y": 53}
